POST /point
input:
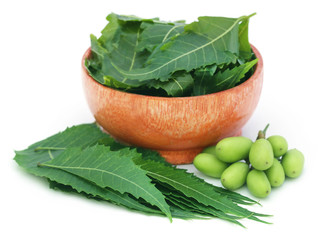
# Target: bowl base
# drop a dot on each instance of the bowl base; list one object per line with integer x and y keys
{"x": 186, "y": 156}
{"x": 180, "y": 156}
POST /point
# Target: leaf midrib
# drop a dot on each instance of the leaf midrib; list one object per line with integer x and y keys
{"x": 134, "y": 56}
{"x": 178, "y": 84}
{"x": 167, "y": 34}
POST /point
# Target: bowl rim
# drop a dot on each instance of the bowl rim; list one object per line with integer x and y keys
{"x": 255, "y": 76}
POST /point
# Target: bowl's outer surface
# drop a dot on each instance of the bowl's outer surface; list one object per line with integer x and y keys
{"x": 178, "y": 128}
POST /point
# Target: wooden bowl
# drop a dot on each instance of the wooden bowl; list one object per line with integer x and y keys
{"x": 177, "y": 127}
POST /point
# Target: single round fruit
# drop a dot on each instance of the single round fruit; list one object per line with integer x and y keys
{"x": 233, "y": 149}
{"x": 210, "y": 150}
{"x": 209, "y": 165}
{"x": 293, "y": 163}
{"x": 261, "y": 155}
{"x": 258, "y": 184}
{"x": 279, "y": 145}
{"x": 276, "y": 174}
{"x": 234, "y": 176}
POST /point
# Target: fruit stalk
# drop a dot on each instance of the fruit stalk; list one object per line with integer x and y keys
{"x": 262, "y": 133}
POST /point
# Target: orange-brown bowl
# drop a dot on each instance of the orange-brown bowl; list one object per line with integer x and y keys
{"x": 177, "y": 127}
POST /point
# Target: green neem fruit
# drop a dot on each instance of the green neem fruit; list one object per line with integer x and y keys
{"x": 275, "y": 174}
{"x": 293, "y": 163}
{"x": 234, "y": 176}
{"x": 210, "y": 150}
{"x": 258, "y": 184}
{"x": 209, "y": 165}
{"x": 233, "y": 149}
{"x": 279, "y": 145}
{"x": 261, "y": 154}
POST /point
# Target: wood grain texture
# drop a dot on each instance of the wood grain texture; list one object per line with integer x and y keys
{"x": 178, "y": 127}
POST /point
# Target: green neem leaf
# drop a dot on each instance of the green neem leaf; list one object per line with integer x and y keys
{"x": 116, "y": 26}
{"x": 211, "y": 40}
{"x": 245, "y": 47}
{"x": 152, "y": 31}
{"x": 122, "y": 54}
{"x": 110, "y": 34}
{"x": 180, "y": 84}
{"x": 132, "y": 18}
{"x": 229, "y": 78}
{"x": 78, "y": 136}
{"x": 177, "y": 212}
{"x": 193, "y": 187}
{"x": 116, "y": 46}
{"x": 153, "y": 155}
{"x": 145, "y": 153}
{"x": 108, "y": 195}
{"x": 111, "y": 169}
{"x": 202, "y": 79}
{"x": 154, "y": 34}
{"x": 177, "y": 198}
{"x": 29, "y": 160}
{"x": 201, "y": 209}
{"x": 82, "y": 135}
{"x": 218, "y": 78}
{"x": 236, "y": 197}
{"x": 130, "y": 38}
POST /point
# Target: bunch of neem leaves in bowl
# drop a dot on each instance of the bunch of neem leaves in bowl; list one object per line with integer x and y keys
{"x": 152, "y": 57}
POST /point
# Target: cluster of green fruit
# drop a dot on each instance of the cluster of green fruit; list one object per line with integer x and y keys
{"x": 266, "y": 162}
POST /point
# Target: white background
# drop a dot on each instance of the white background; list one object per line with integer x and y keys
{"x": 41, "y": 46}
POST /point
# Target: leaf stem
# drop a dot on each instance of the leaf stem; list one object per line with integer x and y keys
{"x": 246, "y": 17}
{"x": 251, "y": 15}
{"x": 265, "y": 129}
